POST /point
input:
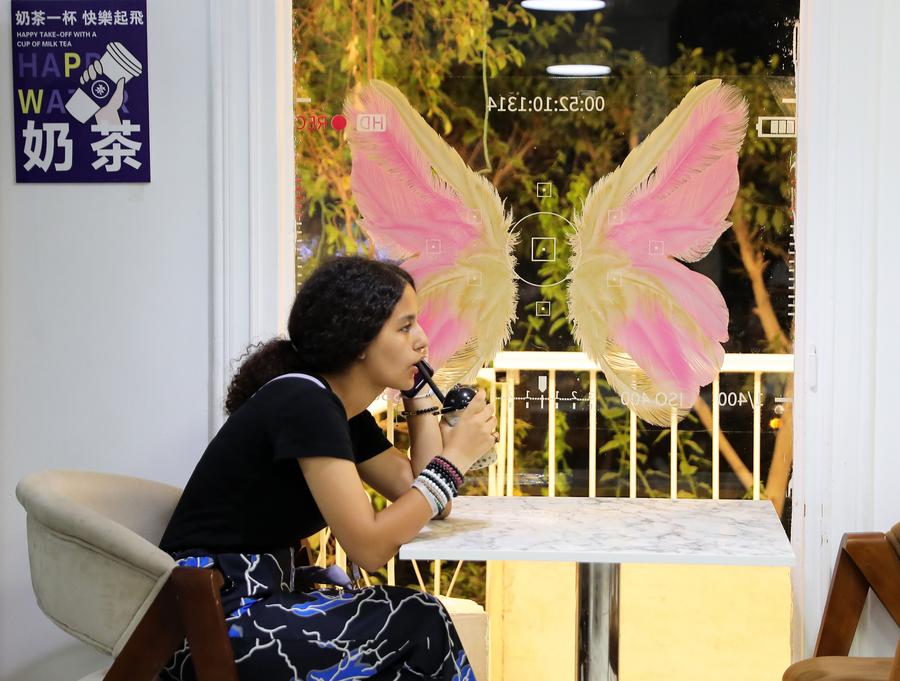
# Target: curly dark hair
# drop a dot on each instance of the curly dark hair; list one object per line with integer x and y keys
{"x": 338, "y": 311}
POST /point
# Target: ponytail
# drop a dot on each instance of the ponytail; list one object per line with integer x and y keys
{"x": 270, "y": 359}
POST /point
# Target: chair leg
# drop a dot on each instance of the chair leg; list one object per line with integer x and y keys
{"x": 153, "y": 641}
{"x": 305, "y": 551}
{"x": 200, "y": 608}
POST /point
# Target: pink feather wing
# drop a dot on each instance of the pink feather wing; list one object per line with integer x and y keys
{"x": 693, "y": 292}
{"x": 674, "y": 322}
{"x": 684, "y": 224}
{"x": 683, "y": 205}
{"x": 423, "y": 206}
{"x": 667, "y": 350}
{"x": 445, "y": 330}
{"x": 408, "y": 209}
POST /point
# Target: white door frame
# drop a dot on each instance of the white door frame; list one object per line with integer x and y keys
{"x": 252, "y": 170}
{"x": 847, "y": 281}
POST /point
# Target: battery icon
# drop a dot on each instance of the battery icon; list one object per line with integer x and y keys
{"x": 776, "y": 126}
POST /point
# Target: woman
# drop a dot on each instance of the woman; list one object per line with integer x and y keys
{"x": 291, "y": 459}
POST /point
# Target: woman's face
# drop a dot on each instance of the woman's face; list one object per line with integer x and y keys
{"x": 391, "y": 357}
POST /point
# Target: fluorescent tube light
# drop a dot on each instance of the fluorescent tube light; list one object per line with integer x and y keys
{"x": 579, "y": 70}
{"x": 564, "y": 5}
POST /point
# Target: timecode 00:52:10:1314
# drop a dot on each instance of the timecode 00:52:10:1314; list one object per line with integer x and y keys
{"x": 573, "y": 104}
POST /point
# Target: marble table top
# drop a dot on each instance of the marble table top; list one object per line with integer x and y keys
{"x": 606, "y": 530}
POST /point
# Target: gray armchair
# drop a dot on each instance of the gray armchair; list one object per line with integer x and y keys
{"x": 98, "y": 574}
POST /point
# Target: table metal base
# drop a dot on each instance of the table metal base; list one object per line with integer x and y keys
{"x": 598, "y": 621}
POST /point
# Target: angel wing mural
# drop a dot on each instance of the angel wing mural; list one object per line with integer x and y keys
{"x": 650, "y": 323}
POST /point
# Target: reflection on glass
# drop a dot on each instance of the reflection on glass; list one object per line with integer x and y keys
{"x": 477, "y": 73}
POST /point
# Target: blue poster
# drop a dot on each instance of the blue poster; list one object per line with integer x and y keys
{"x": 80, "y": 90}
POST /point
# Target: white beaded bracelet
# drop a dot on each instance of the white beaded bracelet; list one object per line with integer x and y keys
{"x": 429, "y": 497}
{"x": 436, "y": 479}
{"x": 438, "y": 490}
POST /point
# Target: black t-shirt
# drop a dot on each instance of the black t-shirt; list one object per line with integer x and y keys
{"x": 247, "y": 493}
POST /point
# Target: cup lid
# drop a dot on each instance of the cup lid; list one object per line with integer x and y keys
{"x": 127, "y": 60}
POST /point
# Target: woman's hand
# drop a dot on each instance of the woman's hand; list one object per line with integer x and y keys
{"x": 473, "y": 435}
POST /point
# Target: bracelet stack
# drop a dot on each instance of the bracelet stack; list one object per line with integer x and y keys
{"x": 439, "y": 482}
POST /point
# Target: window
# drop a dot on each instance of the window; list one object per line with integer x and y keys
{"x": 484, "y": 75}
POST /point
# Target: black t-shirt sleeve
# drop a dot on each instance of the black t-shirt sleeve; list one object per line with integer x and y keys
{"x": 368, "y": 438}
{"x": 307, "y": 420}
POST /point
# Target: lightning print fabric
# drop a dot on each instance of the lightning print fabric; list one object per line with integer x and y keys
{"x": 282, "y": 628}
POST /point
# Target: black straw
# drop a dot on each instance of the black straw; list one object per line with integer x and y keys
{"x": 425, "y": 370}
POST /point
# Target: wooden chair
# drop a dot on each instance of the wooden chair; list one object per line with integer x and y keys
{"x": 98, "y": 574}
{"x": 869, "y": 560}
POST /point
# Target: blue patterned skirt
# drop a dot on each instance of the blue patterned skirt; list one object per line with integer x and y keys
{"x": 282, "y": 628}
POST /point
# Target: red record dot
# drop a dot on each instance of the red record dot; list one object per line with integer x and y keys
{"x": 338, "y": 122}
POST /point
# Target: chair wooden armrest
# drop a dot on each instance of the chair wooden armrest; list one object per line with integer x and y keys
{"x": 868, "y": 560}
{"x": 188, "y": 606}
{"x": 864, "y": 560}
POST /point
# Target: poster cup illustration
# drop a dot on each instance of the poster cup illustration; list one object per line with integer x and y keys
{"x": 117, "y": 63}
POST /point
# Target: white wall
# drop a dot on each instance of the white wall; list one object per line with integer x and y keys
{"x": 848, "y": 327}
{"x": 120, "y": 306}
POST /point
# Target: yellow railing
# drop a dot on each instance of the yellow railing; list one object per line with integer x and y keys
{"x": 501, "y": 475}
{"x": 511, "y": 363}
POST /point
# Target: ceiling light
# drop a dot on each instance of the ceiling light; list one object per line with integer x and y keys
{"x": 579, "y": 70}
{"x": 564, "y": 5}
